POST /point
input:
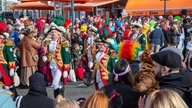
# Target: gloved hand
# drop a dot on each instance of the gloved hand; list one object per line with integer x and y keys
{"x": 11, "y": 72}
{"x": 97, "y": 36}
{"x": 90, "y": 65}
{"x": 44, "y": 58}
{"x": 65, "y": 74}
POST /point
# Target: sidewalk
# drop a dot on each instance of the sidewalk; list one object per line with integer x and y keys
{"x": 72, "y": 90}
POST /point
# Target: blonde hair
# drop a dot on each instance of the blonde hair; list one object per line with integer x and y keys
{"x": 165, "y": 98}
{"x": 98, "y": 99}
{"x": 61, "y": 102}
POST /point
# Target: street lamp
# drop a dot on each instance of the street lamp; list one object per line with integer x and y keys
{"x": 165, "y": 3}
{"x": 72, "y": 12}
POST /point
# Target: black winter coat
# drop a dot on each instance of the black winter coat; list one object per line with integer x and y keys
{"x": 37, "y": 97}
{"x": 130, "y": 97}
{"x": 178, "y": 82}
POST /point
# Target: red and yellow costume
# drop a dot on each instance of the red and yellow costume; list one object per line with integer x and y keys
{"x": 7, "y": 61}
{"x": 104, "y": 62}
{"x": 61, "y": 56}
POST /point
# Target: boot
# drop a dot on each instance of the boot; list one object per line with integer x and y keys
{"x": 63, "y": 90}
{"x": 13, "y": 89}
{"x": 57, "y": 92}
{"x": 89, "y": 79}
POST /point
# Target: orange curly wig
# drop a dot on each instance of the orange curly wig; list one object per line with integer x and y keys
{"x": 146, "y": 59}
{"x": 144, "y": 81}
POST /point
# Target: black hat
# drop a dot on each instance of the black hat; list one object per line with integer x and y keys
{"x": 28, "y": 31}
{"x": 37, "y": 83}
{"x": 101, "y": 40}
{"x": 167, "y": 58}
{"x": 37, "y": 77}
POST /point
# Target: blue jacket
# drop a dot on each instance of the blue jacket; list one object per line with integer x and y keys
{"x": 157, "y": 36}
{"x": 15, "y": 35}
{"x": 6, "y": 99}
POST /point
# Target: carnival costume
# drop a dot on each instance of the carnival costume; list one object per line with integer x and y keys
{"x": 140, "y": 36}
{"x": 104, "y": 62}
{"x": 7, "y": 62}
{"x": 145, "y": 30}
{"x": 83, "y": 29}
{"x": 88, "y": 57}
{"x": 58, "y": 60}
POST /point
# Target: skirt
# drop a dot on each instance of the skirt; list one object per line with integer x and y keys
{"x": 26, "y": 72}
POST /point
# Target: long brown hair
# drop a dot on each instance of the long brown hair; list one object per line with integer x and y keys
{"x": 144, "y": 81}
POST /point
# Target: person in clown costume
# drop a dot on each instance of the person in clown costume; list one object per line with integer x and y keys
{"x": 129, "y": 50}
{"x": 58, "y": 58}
{"x": 103, "y": 64}
{"x": 7, "y": 63}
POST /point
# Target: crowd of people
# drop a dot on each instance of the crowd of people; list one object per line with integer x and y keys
{"x": 134, "y": 62}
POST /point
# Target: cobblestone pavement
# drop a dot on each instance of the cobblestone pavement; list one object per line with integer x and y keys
{"x": 72, "y": 91}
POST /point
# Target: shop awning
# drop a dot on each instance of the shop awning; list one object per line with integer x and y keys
{"x": 76, "y": 1}
{"x": 88, "y": 7}
{"x": 32, "y": 6}
{"x": 156, "y": 7}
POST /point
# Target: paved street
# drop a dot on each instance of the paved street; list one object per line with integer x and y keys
{"x": 72, "y": 91}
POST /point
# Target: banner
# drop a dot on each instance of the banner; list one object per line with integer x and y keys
{"x": 160, "y": 12}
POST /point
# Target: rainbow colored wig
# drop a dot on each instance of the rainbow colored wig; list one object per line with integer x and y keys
{"x": 128, "y": 50}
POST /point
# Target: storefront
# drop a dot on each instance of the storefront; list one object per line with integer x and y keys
{"x": 146, "y": 7}
{"x": 98, "y": 7}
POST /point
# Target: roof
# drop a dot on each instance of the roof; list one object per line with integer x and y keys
{"x": 76, "y": 1}
{"x": 32, "y": 6}
{"x": 136, "y": 6}
{"x": 88, "y": 6}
